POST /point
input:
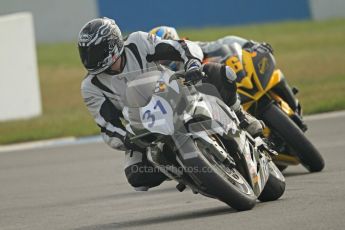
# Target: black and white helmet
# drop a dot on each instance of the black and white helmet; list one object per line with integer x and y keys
{"x": 100, "y": 44}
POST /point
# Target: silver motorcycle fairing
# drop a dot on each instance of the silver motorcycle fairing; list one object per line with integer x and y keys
{"x": 216, "y": 110}
{"x": 164, "y": 113}
{"x": 224, "y": 122}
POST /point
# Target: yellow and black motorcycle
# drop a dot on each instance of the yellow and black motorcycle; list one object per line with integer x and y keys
{"x": 265, "y": 94}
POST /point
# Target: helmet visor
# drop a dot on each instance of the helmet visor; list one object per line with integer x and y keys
{"x": 93, "y": 56}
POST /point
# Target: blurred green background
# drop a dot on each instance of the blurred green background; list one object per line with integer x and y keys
{"x": 311, "y": 55}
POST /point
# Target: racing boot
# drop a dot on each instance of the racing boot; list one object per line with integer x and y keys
{"x": 249, "y": 123}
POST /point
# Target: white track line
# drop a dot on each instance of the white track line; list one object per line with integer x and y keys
{"x": 97, "y": 139}
{"x": 322, "y": 116}
{"x": 67, "y": 141}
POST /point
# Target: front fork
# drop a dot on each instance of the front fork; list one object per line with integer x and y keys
{"x": 294, "y": 114}
{"x": 284, "y": 95}
{"x": 284, "y": 157}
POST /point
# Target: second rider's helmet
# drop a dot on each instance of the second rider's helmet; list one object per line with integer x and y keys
{"x": 165, "y": 32}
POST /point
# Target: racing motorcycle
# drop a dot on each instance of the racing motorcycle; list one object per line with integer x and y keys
{"x": 265, "y": 94}
{"x": 194, "y": 138}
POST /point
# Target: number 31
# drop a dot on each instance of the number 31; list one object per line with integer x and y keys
{"x": 149, "y": 116}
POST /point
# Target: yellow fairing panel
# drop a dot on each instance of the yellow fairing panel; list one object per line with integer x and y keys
{"x": 251, "y": 77}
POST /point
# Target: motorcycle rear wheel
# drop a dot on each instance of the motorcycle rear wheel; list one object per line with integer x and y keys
{"x": 275, "y": 185}
{"x": 282, "y": 125}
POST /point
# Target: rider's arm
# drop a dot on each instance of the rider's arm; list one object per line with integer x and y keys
{"x": 105, "y": 114}
{"x": 173, "y": 50}
{"x": 213, "y": 46}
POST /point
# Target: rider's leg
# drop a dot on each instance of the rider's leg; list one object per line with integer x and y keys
{"x": 140, "y": 173}
{"x": 224, "y": 82}
{"x": 224, "y": 79}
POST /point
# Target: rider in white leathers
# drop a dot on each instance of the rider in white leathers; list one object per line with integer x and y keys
{"x": 105, "y": 55}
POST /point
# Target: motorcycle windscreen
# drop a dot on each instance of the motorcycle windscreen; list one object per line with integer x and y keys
{"x": 140, "y": 87}
{"x": 264, "y": 64}
{"x": 150, "y": 99}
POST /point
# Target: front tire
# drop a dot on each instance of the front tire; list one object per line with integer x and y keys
{"x": 281, "y": 124}
{"x": 229, "y": 186}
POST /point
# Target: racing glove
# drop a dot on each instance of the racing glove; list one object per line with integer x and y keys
{"x": 193, "y": 71}
{"x": 267, "y": 46}
{"x": 252, "y": 44}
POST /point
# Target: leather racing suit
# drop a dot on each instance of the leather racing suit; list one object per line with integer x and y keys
{"x": 103, "y": 95}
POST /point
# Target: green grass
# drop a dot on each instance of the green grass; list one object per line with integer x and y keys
{"x": 311, "y": 55}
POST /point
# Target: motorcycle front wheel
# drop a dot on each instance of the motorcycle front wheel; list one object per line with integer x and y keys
{"x": 222, "y": 182}
{"x": 293, "y": 136}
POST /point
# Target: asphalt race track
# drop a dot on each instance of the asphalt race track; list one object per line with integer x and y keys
{"x": 83, "y": 187}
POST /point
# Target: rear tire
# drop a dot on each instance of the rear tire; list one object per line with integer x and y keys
{"x": 282, "y": 167}
{"x": 275, "y": 186}
{"x": 281, "y": 124}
